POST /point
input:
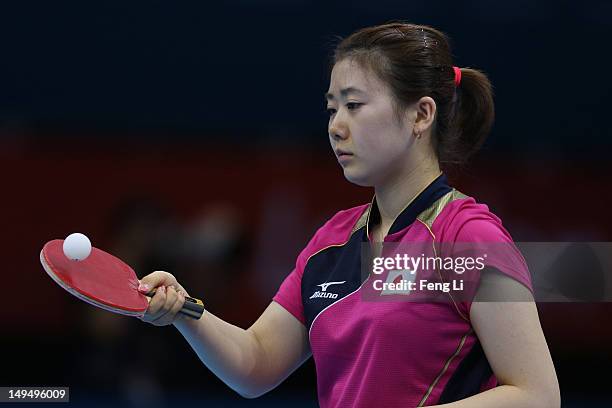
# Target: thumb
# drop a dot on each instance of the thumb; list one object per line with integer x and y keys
{"x": 154, "y": 280}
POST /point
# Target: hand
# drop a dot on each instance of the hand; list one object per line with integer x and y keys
{"x": 168, "y": 300}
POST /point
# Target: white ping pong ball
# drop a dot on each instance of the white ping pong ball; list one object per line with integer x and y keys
{"x": 77, "y": 246}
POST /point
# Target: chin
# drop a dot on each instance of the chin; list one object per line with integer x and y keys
{"x": 357, "y": 178}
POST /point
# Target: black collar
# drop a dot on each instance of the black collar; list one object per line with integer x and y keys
{"x": 420, "y": 203}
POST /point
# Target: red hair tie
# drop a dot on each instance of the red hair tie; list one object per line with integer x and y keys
{"x": 457, "y": 76}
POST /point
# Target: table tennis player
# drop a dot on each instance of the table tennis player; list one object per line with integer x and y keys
{"x": 402, "y": 116}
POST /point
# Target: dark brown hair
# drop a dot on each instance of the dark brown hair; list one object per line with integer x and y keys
{"x": 416, "y": 61}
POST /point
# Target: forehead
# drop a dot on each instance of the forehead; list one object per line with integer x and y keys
{"x": 350, "y": 73}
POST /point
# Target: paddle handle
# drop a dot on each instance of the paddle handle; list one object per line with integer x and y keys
{"x": 192, "y": 308}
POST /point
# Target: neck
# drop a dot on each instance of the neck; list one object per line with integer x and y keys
{"x": 399, "y": 191}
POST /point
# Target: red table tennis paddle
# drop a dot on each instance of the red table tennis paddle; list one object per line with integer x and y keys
{"x": 104, "y": 281}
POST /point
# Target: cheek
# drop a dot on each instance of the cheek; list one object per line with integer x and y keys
{"x": 383, "y": 137}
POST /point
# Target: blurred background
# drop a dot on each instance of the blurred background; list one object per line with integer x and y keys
{"x": 191, "y": 137}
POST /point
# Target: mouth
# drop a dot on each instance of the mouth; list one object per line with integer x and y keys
{"x": 343, "y": 157}
{"x": 342, "y": 153}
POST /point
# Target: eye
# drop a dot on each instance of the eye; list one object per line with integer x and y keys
{"x": 351, "y": 106}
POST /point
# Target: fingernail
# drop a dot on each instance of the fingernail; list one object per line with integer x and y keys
{"x": 143, "y": 287}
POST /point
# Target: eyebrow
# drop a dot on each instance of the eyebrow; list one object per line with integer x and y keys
{"x": 344, "y": 92}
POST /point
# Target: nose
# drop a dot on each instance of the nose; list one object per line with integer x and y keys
{"x": 337, "y": 128}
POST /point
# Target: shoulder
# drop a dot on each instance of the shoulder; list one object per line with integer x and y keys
{"x": 463, "y": 219}
{"x": 467, "y": 228}
{"x": 338, "y": 229}
{"x": 342, "y": 224}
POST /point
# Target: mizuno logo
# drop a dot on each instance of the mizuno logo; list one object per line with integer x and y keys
{"x": 323, "y": 293}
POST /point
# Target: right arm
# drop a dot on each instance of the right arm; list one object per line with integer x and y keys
{"x": 251, "y": 361}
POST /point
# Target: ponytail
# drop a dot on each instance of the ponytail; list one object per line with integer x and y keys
{"x": 472, "y": 121}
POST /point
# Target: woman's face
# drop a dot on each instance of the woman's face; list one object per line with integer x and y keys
{"x": 369, "y": 140}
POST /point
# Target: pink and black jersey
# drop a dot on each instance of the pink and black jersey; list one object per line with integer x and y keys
{"x": 393, "y": 354}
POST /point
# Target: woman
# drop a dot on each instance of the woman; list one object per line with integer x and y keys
{"x": 400, "y": 113}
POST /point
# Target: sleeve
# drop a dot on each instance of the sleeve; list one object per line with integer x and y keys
{"x": 289, "y": 294}
{"x": 485, "y": 239}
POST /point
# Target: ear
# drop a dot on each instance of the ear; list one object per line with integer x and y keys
{"x": 425, "y": 114}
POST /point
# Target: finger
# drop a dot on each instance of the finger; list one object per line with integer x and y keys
{"x": 156, "y": 304}
{"x": 182, "y": 296}
{"x": 168, "y": 313}
{"x": 169, "y": 317}
{"x": 171, "y": 298}
{"x": 156, "y": 279}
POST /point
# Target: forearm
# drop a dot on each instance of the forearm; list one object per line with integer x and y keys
{"x": 507, "y": 396}
{"x": 230, "y": 352}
